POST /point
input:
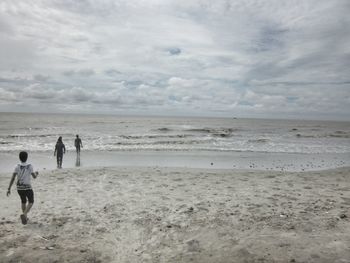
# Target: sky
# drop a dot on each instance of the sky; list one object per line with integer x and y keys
{"x": 238, "y": 58}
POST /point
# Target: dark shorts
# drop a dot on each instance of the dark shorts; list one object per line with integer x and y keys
{"x": 26, "y": 194}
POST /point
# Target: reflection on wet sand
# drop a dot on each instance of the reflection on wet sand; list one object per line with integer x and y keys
{"x": 77, "y": 161}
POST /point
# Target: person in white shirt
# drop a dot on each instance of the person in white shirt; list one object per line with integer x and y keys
{"x": 24, "y": 172}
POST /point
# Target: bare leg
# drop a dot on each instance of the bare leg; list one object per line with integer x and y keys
{"x": 24, "y": 206}
{"x": 26, "y": 211}
{"x": 24, "y": 215}
{"x": 59, "y": 161}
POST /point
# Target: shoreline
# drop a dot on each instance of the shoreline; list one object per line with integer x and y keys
{"x": 157, "y": 214}
{"x": 211, "y": 171}
{"x": 45, "y": 161}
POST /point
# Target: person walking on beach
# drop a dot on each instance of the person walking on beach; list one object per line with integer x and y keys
{"x": 78, "y": 144}
{"x": 24, "y": 171}
{"x": 60, "y": 149}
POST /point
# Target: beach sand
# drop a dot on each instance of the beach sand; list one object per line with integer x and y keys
{"x": 129, "y": 214}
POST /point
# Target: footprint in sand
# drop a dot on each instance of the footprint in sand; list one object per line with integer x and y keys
{"x": 193, "y": 246}
{"x": 177, "y": 179}
{"x": 60, "y": 221}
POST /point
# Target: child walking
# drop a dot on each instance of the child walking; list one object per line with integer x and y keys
{"x": 24, "y": 171}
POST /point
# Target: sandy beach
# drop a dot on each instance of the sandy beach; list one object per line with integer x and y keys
{"x": 129, "y": 214}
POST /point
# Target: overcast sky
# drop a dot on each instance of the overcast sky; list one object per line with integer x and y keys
{"x": 238, "y": 58}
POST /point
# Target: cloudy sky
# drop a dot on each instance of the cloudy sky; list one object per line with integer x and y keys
{"x": 242, "y": 58}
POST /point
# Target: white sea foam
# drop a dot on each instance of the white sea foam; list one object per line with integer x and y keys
{"x": 39, "y": 132}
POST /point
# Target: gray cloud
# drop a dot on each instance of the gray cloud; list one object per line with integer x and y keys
{"x": 41, "y": 78}
{"x": 245, "y": 57}
{"x": 174, "y": 51}
{"x": 112, "y": 72}
{"x": 81, "y": 72}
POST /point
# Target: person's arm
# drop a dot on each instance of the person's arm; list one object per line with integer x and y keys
{"x": 64, "y": 149}
{"x": 11, "y": 183}
{"x": 35, "y": 174}
{"x": 54, "y": 153}
{"x": 81, "y": 143}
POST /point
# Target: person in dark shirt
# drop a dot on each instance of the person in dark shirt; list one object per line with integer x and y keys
{"x": 60, "y": 149}
{"x": 78, "y": 144}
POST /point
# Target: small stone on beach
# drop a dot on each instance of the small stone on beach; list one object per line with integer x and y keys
{"x": 343, "y": 216}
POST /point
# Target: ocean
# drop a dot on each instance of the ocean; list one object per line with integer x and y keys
{"x": 121, "y": 140}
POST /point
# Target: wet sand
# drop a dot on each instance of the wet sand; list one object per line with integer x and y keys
{"x": 203, "y": 159}
{"x": 137, "y": 214}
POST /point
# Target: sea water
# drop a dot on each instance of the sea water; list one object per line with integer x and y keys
{"x": 177, "y": 141}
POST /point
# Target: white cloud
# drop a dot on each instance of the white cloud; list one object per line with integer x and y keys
{"x": 195, "y": 56}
